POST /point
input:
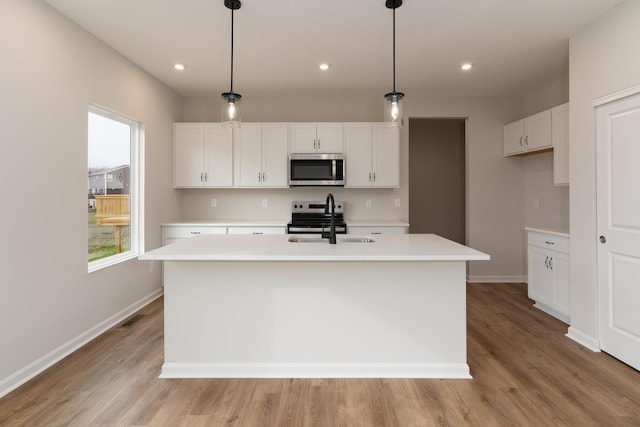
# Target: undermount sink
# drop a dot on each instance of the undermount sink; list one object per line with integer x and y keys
{"x": 297, "y": 239}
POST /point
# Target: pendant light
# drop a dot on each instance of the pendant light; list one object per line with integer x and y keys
{"x": 231, "y": 100}
{"x": 393, "y": 103}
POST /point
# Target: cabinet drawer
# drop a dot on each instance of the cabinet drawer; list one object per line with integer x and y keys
{"x": 256, "y": 230}
{"x": 549, "y": 241}
{"x": 186, "y": 232}
{"x": 390, "y": 229}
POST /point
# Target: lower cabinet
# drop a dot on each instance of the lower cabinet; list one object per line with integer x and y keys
{"x": 548, "y": 273}
{"x": 387, "y": 229}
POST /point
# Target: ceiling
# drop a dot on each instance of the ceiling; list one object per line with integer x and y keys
{"x": 516, "y": 45}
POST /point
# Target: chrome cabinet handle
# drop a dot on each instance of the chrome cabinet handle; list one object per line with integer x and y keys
{"x": 369, "y": 176}
{"x": 520, "y": 141}
{"x": 549, "y": 243}
{"x": 551, "y": 263}
{"x": 201, "y": 174}
{"x": 206, "y": 177}
{"x": 546, "y": 262}
{"x": 374, "y": 177}
{"x": 526, "y": 140}
{"x": 259, "y": 177}
{"x": 264, "y": 177}
{"x": 195, "y": 232}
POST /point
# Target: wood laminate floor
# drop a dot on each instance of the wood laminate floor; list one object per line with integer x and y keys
{"x": 525, "y": 373}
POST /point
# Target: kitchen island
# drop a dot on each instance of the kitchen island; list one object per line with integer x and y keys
{"x": 261, "y": 306}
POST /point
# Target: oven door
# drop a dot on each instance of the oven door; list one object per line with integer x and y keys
{"x": 316, "y": 169}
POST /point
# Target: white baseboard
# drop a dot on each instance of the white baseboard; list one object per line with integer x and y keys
{"x": 583, "y": 339}
{"x": 497, "y": 279}
{"x": 315, "y": 370}
{"x": 25, "y": 374}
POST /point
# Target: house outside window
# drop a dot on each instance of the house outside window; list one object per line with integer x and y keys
{"x": 112, "y": 188}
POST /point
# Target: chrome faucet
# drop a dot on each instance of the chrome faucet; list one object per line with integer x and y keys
{"x": 331, "y": 208}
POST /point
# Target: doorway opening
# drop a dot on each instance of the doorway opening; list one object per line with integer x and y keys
{"x": 437, "y": 177}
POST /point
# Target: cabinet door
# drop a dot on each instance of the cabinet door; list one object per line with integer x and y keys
{"x": 560, "y": 140}
{"x": 218, "y": 148}
{"x": 386, "y": 156}
{"x": 188, "y": 154}
{"x": 513, "y": 138}
{"x": 275, "y": 155}
{"x": 537, "y": 131}
{"x": 559, "y": 266}
{"x": 329, "y": 138}
{"x": 247, "y": 145}
{"x": 357, "y": 143}
{"x": 540, "y": 276}
{"x": 303, "y": 137}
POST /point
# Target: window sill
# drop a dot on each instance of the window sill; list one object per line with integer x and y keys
{"x": 112, "y": 260}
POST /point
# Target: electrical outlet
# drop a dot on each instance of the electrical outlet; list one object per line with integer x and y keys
{"x": 214, "y": 203}
{"x": 397, "y": 203}
{"x": 265, "y": 203}
{"x": 368, "y": 203}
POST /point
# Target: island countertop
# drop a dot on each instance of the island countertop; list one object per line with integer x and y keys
{"x": 385, "y": 247}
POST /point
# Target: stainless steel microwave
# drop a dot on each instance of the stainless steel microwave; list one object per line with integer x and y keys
{"x": 316, "y": 169}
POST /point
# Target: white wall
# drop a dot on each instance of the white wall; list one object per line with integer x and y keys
{"x": 553, "y": 202}
{"x": 51, "y": 71}
{"x": 604, "y": 59}
{"x": 495, "y": 184}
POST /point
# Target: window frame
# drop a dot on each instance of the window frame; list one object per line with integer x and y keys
{"x": 135, "y": 188}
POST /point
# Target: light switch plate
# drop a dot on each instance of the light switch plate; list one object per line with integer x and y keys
{"x": 265, "y": 203}
{"x": 214, "y": 203}
{"x": 368, "y": 203}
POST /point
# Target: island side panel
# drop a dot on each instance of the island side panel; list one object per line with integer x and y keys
{"x": 318, "y": 319}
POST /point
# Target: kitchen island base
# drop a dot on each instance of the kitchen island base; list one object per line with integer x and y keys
{"x": 315, "y": 319}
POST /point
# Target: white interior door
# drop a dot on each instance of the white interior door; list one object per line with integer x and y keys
{"x": 618, "y": 177}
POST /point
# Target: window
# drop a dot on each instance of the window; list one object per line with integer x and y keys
{"x": 112, "y": 188}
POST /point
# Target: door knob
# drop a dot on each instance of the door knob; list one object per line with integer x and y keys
{"x": 603, "y": 239}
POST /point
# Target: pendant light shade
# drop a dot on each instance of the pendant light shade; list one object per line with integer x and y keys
{"x": 393, "y": 110}
{"x": 231, "y": 100}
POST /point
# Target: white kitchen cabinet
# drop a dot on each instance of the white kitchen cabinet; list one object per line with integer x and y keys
{"x": 202, "y": 155}
{"x": 372, "y": 155}
{"x": 560, "y": 137}
{"x": 316, "y": 137}
{"x": 261, "y": 155}
{"x": 256, "y": 230}
{"x": 383, "y": 229}
{"x": 528, "y": 135}
{"x": 171, "y": 233}
{"x": 548, "y": 272}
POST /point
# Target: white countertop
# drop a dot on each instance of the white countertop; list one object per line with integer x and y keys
{"x": 276, "y": 247}
{"x": 228, "y": 223}
{"x": 375, "y": 223}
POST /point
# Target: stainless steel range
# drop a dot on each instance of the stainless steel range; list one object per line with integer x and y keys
{"x": 310, "y": 217}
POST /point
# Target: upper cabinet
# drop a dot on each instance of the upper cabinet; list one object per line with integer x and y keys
{"x": 316, "y": 137}
{"x": 261, "y": 155}
{"x": 372, "y": 155}
{"x": 202, "y": 155}
{"x": 528, "y": 135}
{"x": 542, "y": 132}
{"x": 560, "y": 137}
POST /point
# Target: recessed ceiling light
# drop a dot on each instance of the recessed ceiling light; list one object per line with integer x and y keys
{"x": 179, "y": 67}
{"x": 467, "y": 66}
{"x": 324, "y": 66}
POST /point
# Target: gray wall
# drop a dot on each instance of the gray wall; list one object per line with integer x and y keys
{"x": 437, "y": 199}
{"x": 51, "y": 71}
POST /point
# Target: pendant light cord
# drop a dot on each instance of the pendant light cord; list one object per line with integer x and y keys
{"x": 394, "y": 50}
{"x": 232, "y": 51}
